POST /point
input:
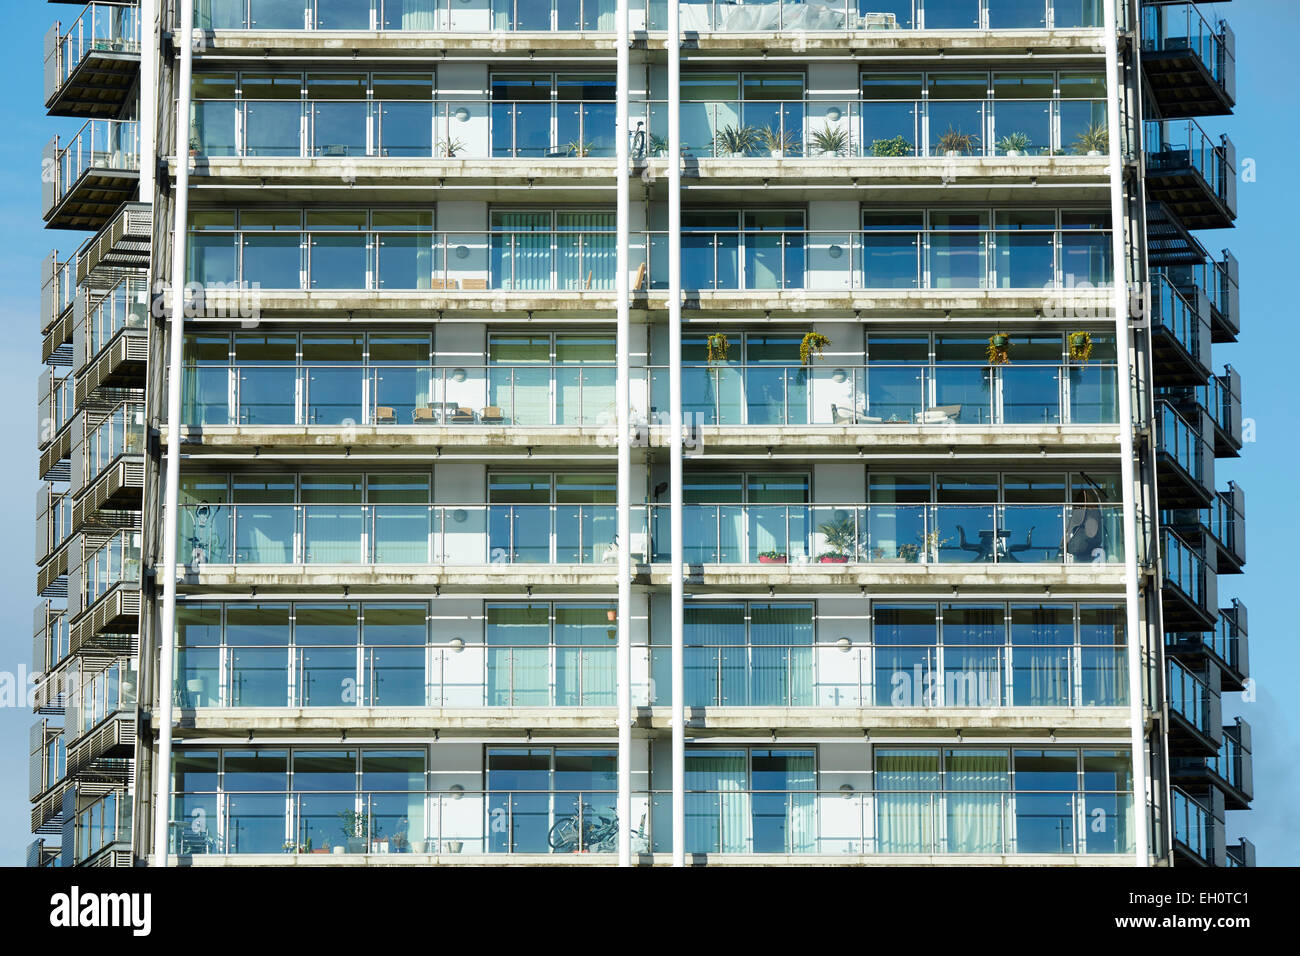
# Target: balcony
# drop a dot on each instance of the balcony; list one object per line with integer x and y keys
{"x": 101, "y": 719}
{"x": 1217, "y": 403}
{"x": 893, "y": 534}
{"x": 54, "y": 520}
{"x": 102, "y": 832}
{"x": 1180, "y": 333}
{"x": 1241, "y": 853}
{"x": 994, "y": 270}
{"x": 1189, "y": 592}
{"x": 58, "y": 289}
{"x": 85, "y": 180}
{"x": 797, "y": 129}
{"x": 596, "y": 16}
{"x": 800, "y": 681}
{"x": 553, "y": 824}
{"x": 49, "y": 642}
{"x": 91, "y": 65}
{"x": 1198, "y": 835}
{"x": 107, "y": 465}
{"x": 1214, "y": 281}
{"x": 511, "y": 397}
{"x": 1195, "y": 711}
{"x": 112, "y": 344}
{"x": 1184, "y": 460}
{"x": 1230, "y": 634}
{"x": 1235, "y": 765}
{"x": 1191, "y": 174}
{"x": 108, "y": 602}
{"x": 1189, "y": 62}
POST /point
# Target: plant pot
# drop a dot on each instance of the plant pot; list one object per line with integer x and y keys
{"x": 999, "y": 341}
{"x": 1094, "y": 152}
{"x": 338, "y": 849}
{"x": 611, "y": 615}
{"x": 952, "y": 153}
{"x": 768, "y": 559}
{"x": 194, "y": 686}
{"x": 356, "y": 845}
{"x": 454, "y": 846}
{"x": 1013, "y": 152}
{"x": 777, "y": 153}
{"x": 834, "y": 559}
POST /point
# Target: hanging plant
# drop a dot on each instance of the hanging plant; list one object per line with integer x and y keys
{"x": 813, "y": 342}
{"x": 717, "y": 347}
{"x": 1080, "y": 346}
{"x": 999, "y": 349}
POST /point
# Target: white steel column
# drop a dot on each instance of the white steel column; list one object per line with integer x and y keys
{"x": 675, "y": 412}
{"x": 147, "y": 114}
{"x": 624, "y": 419}
{"x": 1119, "y": 216}
{"x": 162, "y": 717}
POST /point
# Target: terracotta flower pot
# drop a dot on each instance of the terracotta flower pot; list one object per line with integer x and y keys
{"x": 768, "y": 559}
{"x": 834, "y": 559}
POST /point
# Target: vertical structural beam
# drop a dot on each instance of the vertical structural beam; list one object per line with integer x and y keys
{"x": 624, "y": 656}
{"x": 678, "y": 595}
{"x": 162, "y": 718}
{"x": 148, "y": 114}
{"x": 1120, "y": 257}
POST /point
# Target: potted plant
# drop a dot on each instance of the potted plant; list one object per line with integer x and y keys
{"x": 999, "y": 350}
{"x": 909, "y": 552}
{"x": 577, "y": 148}
{"x": 897, "y": 146}
{"x": 356, "y": 826}
{"x": 449, "y": 147}
{"x": 1080, "y": 346}
{"x": 1014, "y": 144}
{"x": 830, "y": 140}
{"x": 841, "y": 539}
{"x": 454, "y": 846}
{"x": 717, "y": 346}
{"x": 930, "y": 545}
{"x": 1093, "y": 141}
{"x": 735, "y": 141}
{"x": 772, "y": 557}
{"x": 658, "y": 146}
{"x": 194, "y": 145}
{"x": 954, "y": 142}
{"x": 289, "y": 846}
{"x": 778, "y": 142}
{"x": 325, "y": 846}
{"x": 813, "y": 343}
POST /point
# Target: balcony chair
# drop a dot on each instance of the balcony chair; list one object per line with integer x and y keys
{"x": 461, "y": 416}
{"x": 985, "y": 547}
{"x": 424, "y": 415}
{"x": 639, "y": 281}
{"x": 847, "y": 416}
{"x": 384, "y": 415}
{"x": 939, "y": 415}
{"x": 440, "y": 285}
{"x": 473, "y": 284}
{"x": 492, "y": 415}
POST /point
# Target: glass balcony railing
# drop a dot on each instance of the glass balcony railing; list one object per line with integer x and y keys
{"x": 1229, "y": 637}
{"x": 1182, "y": 27}
{"x": 1191, "y": 697}
{"x": 60, "y": 288}
{"x": 125, "y": 306}
{"x": 120, "y": 434}
{"x": 117, "y": 561}
{"x": 1192, "y": 825}
{"x": 107, "y": 821}
{"x": 560, "y": 675}
{"x": 62, "y": 405}
{"x": 417, "y": 534}
{"x": 583, "y": 261}
{"x": 479, "y": 129}
{"x": 894, "y": 534}
{"x": 1171, "y": 311}
{"x": 881, "y": 128}
{"x": 100, "y": 696}
{"x": 1184, "y": 568}
{"x": 540, "y": 395}
{"x": 510, "y": 395}
{"x": 105, "y": 27}
{"x": 825, "y": 394}
{"x": 1179, "y": 147}
{"x": 1181, "y": 442}
{"x": 722, "y": 821}
{"x": 483, "y": 16}
{"x": 99, "y": 145}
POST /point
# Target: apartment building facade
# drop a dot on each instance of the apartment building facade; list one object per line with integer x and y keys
{"x": 593, "y": 432}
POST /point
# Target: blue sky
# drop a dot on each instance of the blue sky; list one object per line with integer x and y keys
{"x": 1265, "y": 246}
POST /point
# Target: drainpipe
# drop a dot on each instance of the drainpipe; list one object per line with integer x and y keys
{"x": 1118, "y": 217}
{"x": 162, "y": 721}
{"x": 624, "y": 680}
{"x": 675, "y": 413}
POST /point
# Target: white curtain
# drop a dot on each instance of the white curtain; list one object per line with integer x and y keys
{"x": 976, "y": 783}
{"x": 717, "y": 807}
